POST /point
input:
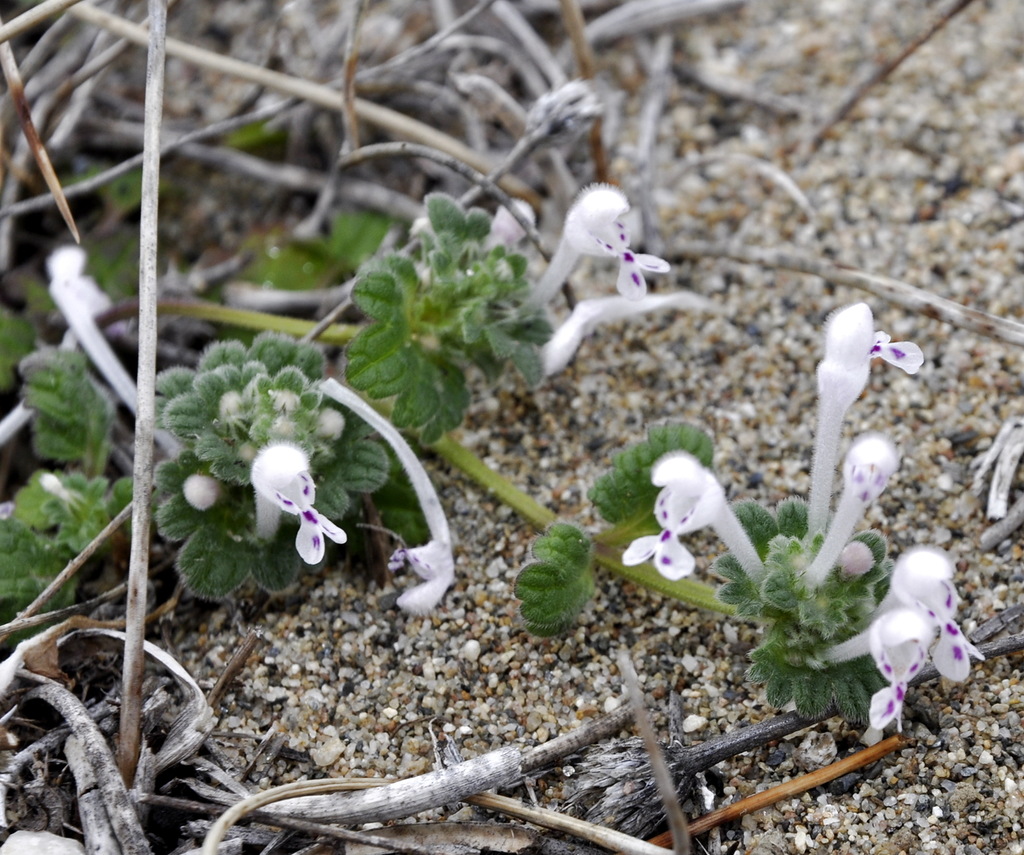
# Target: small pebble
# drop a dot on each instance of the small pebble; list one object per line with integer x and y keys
{"x": 694, "y": 723}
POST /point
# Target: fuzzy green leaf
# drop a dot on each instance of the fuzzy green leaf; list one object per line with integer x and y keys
{"x": 434, "y": 399}
{"x": 556, "y": 586}
{"x": 739, "y": 590}
{"x": 17, "y": 338}
{"x": 791, "y": 516}
{"x": 213, "y": 564}
{"x": 28, "y": 563}
{"x": 625, "y": 496}
{"x": 759, "y": 525}
{"x": 73, "y": 418}
{"x": 446, "y": 215}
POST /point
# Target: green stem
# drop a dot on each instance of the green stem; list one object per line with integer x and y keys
{"x": 338, "y": 334}
{"x": 694, "y": 593}
{"x": 462, "y": 458}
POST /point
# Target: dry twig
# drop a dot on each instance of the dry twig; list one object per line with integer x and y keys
{"x": 130, "y": 731}
{"x": 879, "y": 73}
{"x": 895, "y": 291}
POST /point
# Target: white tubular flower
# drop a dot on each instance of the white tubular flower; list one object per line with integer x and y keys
{"x": 922, "y": 581}
{"x": 851, "y": 342}
{"x": 593, "y": 226}
{"x": 869, "y": 463}
{"x": 587, "y": 314}
{"x": 433, "y": 562}
{"x": 79, "y": 300}
{"x": 281, "y": 479}
{"x": 691, "y": 498}
{"x": 899, "y": 645}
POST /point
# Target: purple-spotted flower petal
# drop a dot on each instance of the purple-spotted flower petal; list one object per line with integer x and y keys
{"x": 433, "y": 563}
{"x": 899, "y": 645}
{"x": 280, "y": 476}
{"x": 664, "y": 551}
{"x": 902, "y": 354}
{"x": 922, "y": 580}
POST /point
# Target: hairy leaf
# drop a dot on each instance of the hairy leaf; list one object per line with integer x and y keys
{"x": 556, "y": 586}
{"x": 625, "y": 496}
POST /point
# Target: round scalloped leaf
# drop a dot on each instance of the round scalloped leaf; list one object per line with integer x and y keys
{"x": 278, "y": 351}
{"x": 625, "y": 496}
{"x": 559, "y": 583}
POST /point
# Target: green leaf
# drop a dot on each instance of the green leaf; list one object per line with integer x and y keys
{"x": 625, "y": 496}
{"x": 279, "y": 352}
{"x": 213, "y": 564}
{"x": 73, "y": 418}
{"x": 791, "y": 516}
{"x": 379, "y": 360}
{"x": 446, "y": 215}
{"x": 556, "y": 586}
{"x": 278, "y": 563}
{"x": 434, "y": 398}
{"x": 17, "y": 338}
{"x": 778, "y": 590}
{"x": 28, "y": 563}
{"x": 739, "y": 591}
{"x": 759, "y": 525}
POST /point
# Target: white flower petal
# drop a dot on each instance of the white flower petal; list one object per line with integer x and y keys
{"x": 886, "y": 705}
{"x": 640, "y": 550}
{"x": 673, "y": 560}
{"x": 902, "y": 354}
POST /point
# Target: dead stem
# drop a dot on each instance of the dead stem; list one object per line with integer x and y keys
{"x": 878, "y": 74}
{"x": 30, "y": 18}
{"x": 799, "y": 785}
{"x": 130, "y": 729}
{"x": 235, "y": 664}
{"x": 575, "y": 26}
{"x": 895, "y": 291}
{"x": 35, "y": 144}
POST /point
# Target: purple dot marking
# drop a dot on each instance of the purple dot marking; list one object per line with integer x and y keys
{"x": 628, "y": 257}
{"x": 958, "y": 652}
{"x": 952, "y": 629}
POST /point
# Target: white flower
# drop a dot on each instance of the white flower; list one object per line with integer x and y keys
{"x": 899, "y": 645}
{"x": 869, "y": 463}
{"x": 434, "y": 562}
{"x": 594, "y": 226}
{"x": 435, "y": 565}
{"x": 691, "y": 498}
{"x": 851, "y": 342}
{"x": 281, "y": 479}
{"x": 921, "y": 580}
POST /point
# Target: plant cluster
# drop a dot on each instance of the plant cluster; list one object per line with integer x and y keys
{"x": 464, "y": 301}
{"x": 57, "y": 514}
{"x": 844, "y": 625}
{"x": 258, "y": 440}
{"x": 269, "y": 456}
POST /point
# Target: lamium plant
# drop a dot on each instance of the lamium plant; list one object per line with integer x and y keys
{"x": 844, "y": 625}
{"x": 463, "y": 300}
{"x": 260, "y": 446}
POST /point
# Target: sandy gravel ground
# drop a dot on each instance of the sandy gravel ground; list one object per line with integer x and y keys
{"x": 924, "y": 183}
